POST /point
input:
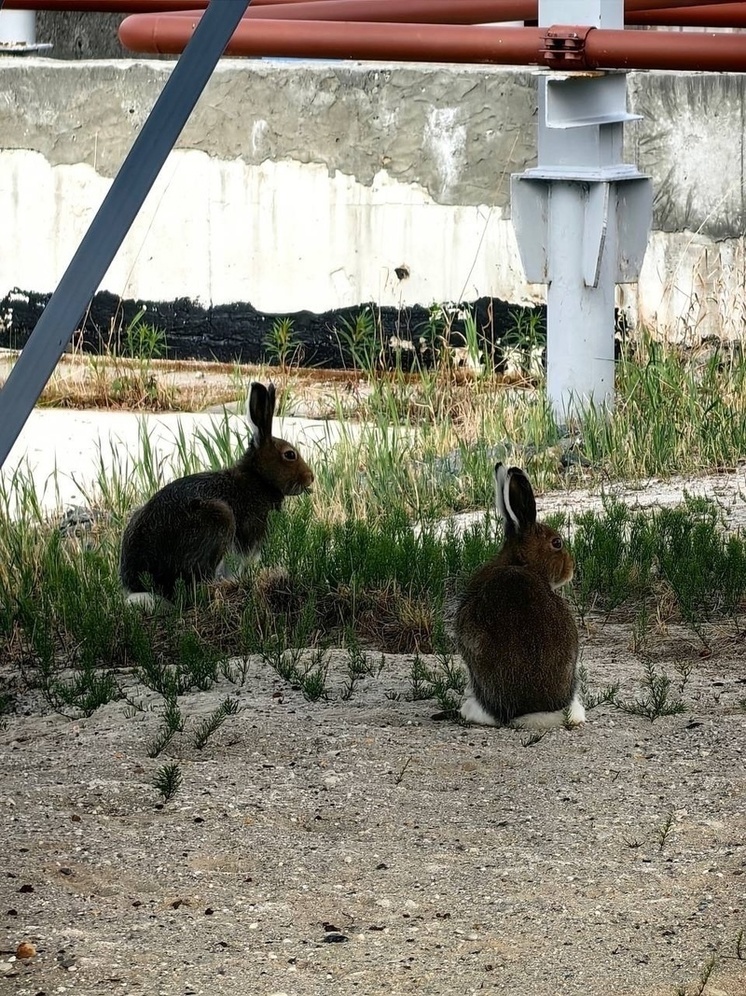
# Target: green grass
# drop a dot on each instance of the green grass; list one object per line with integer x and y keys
{"x": 168, "y": 781}
{"x": 365, "y": 562}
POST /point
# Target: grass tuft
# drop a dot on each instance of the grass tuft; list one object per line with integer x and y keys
{"x": 168, "y": 780}
{"x": 213, "y": 722}
{"x": 656, "y": 699}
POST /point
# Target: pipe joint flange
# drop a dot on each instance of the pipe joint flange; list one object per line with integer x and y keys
{"x": 562, "y": 46}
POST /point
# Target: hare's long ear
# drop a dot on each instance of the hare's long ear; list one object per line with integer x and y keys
{"x": 260, "y": 409}
{"x": 515, "y": 500}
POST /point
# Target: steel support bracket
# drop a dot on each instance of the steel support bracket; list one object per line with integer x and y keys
{"x": 630, "y": 198}
{"x": 563, "y": 46}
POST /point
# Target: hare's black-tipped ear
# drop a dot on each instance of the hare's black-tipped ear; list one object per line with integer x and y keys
{"x": 515, "y": 500}
{"x": 259, "y": 410}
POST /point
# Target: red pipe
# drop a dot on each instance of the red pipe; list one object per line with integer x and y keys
{"x": 393, "y": 11}
{"x": 635, "y": 5}
{"x": 732, "y": 14}
{"x": 127, "y": 6}
{"x": 695, "y": 13}
{"x": 672, "y": 50}
{"x": 504, "y": 10}
{"x": 168, "y": 34}
{"x": 520, "y": 10}
{"x": 713, "y": 15}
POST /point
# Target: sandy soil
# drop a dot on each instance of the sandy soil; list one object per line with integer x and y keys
{"x": 359, "y": 847}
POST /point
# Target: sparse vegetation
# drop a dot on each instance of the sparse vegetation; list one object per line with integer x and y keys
{"x": 365, "y": 562}
{"x": 665, "y": 829}
{"x": 532, "y": 739}
{"x": 360, "y": 342}
{"x": 700, "y": 986}
{"x": 228, "y": 707}
{"x": 168, "y": 781}
{"x": 173, "y": 723}
{"x": 282, "y": 346}
{"x": 656, "y": 699}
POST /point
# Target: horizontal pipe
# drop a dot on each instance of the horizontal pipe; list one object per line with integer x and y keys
{"x": 731, "y": 14}
{"x": 400, "y": 11}
{"x": 701, "y": 51}
{"x": 711, "y": 15}
{"x": 126, "y": 6}
{"x": 632, "y": 6}
{"x": 503, "y": 9}
{"x": 445, "y": 43}
{"x": 167, "y": 35}
{"x": 107, "y": 6}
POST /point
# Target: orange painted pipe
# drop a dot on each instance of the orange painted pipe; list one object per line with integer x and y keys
{"x": 729, "y": 14}
{"x": 711, "y": 15}
{"x": 632, "y": 6}
{"x": 435, "y": 11}
{"x": 399, "y": 11}
{"x": 700, "y": 51}
{"x": 503, "y": 9}
{"x": 168, "y": 34}
{"x": 127, "y": 6}
{"x": 691, "y": 13}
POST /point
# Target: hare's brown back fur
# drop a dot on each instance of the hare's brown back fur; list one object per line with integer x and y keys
{"x": 519, "y": 641}
{"x": 516, "y": 635}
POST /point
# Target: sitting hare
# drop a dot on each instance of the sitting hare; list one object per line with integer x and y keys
{"x": 515, "y": 633}
{"x": 184, "y": 532}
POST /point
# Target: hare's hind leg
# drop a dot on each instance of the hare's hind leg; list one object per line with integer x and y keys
{"x": 147, "y": 601}
{"x": 573, "y": 715}
{"x": 472, "y": 709}
{"x": 209, "y": 535}
{"x": 165, "y": 547}
{"x": 473, "y": 712}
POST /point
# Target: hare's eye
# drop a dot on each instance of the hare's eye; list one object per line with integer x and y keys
{"x": 556, "y": 543}
{"x": 290, "y": 455}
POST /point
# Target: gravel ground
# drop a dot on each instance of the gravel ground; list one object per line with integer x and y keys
{"x": 360, "y": 847}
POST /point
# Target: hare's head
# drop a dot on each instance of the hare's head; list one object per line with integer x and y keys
{"x": 276, "y": 460}
{"x": 528, "y": 543}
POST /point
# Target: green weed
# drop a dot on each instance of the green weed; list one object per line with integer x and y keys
{"x": 210, "y": 724}
{"x": 656, "y": 699}
{"x": 167, "y": 781}
{"x": 281, "y": 345}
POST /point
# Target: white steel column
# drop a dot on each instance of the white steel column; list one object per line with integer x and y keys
{"x": 17, "y": 28}
{"x": 581, "y": 216}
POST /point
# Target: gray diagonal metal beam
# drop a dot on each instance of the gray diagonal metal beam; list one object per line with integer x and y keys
{"x": 114, "y": 219}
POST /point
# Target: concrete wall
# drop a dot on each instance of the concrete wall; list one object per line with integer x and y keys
{"x": 306, "y": 186}
{"x": 76, "y": 35}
